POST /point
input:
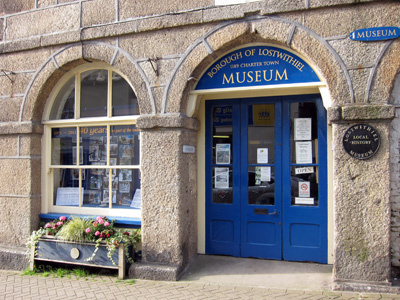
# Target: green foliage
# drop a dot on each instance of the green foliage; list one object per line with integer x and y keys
{"x": 74, "y": 230}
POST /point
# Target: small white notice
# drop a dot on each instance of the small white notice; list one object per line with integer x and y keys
{"x": 262, "y": 155}
{"x": 304, "y": 152}
{"x": 189, "y": 149}
{"x": 137, "y": 199}
{"x": 307, "y": 201}
{"x": 223, "y": 153}
{"x": 68, "y": 196}
{"x": 221, "y": 180}
{"x": 302, "y": 129}
{"x": 265, "y": 174}
{"x": 304, "y": 170}
{"x": 304, "y": 189}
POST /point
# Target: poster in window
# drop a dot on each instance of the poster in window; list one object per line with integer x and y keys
{"x": 137, "y": 199}
{"x": 125, "y": 187}
{"x": 126, "y": 151}
{"x": 113, "y": 161}
{"x": 302, "y": 129}
{"x": 223, "y": 153}
{"x": 113, "y": 149}
{"x": 126, "y": 139}
{"x": 68, "y": 196}
{"x": 95, "y": 182}
{"x": 94, "y": 153}
{"x": 74, "y": 153}
{"x": 304, "y": 152}
{"x": 125, "y": 161}
{"x": 125, "y": 175}
{"x": 115, "y": 183}
{"x": 221, "y": 178}
{"x": 106, "y": 198}
{"x": 75, "y": 174}
{"x": 106, "y": 182}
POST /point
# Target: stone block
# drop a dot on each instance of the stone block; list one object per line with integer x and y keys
{"x": 109, "y": 30}
{"x": 13, "y": 258}
{"x": 167, "y": 21}
{"x": 158, "y": 93}
{"x": 16, "y": 177}
{"x": 20, "y": 127}
{"x": 60, "y": 38}
{"x": 20, "y": 45}
{"x": 272, "y": 29}
{"x": 162, "y": 43}
{"x": 24, "y": 61}
{"x": 12, "y": 6}
{"x": 359, "y": 79}
{"x": 227, "y": 34}
{"x": 134, "y": 8}
{"x": 10, "y": 109}
{"x": 385, "y": 75}
{"x": 98, "y": 51}
{"x": 18, "y": 218}
{"x": 368, "y": 112}
{"x": 30, "y": 145}
{"x": 55, "y": 19}
{"x": 18, "y": 87}
{"x": 8, "y": 145}
{"x": 98, "y": 12}
{"x": 357, "y": 54}
{"x": 45, "y": 3}
{"x": 158, "y": 71}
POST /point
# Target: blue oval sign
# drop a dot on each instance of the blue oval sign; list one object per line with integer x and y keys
{"x": 375, "y": 34}
{"x": 257, "y": 66}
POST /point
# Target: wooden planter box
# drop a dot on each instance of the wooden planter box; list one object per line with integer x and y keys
{"x": 53, "y": 250}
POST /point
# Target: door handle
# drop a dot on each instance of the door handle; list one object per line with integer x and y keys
{"x": 276, "y": 212}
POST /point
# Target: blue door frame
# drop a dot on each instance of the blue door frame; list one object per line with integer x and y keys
{"x": 282, "y": 229}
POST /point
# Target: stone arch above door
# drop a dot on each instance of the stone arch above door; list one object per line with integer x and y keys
{"x": 272, "y": 30}
{"x": 70, "y": 56}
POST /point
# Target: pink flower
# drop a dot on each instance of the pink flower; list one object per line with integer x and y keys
{"x": 88, "y": 230}
{"x": 101, "y": 221}
{"x": 62, "y": 218}
{"x": 106, "y": 223}
{"x": 94, "y": 224}
{"x": 48, "y": 225}
{"x": 97, "y": 233}
{"x": 59, "y": 223}
{"x": 98, "y": 218}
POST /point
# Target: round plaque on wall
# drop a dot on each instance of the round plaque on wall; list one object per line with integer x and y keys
{"x": 361, "y": 141}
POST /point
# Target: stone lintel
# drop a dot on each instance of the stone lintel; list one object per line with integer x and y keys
{"x": 361, "y": 112}
{"x": 167, "y": 121}
{"x": 149, "y": 271}
{"x": 21, "y": 128}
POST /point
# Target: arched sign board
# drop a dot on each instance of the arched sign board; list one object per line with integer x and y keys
{"x": 361, "y": 141}
{"x": 257, "y": 66}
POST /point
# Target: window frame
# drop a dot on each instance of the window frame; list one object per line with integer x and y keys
{"x": 47, "y": 186}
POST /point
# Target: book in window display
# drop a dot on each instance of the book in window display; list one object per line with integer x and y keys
{"x": 106, "y": 182}
{"x": 95, "y": 182}
{"x": 124, "y": 187}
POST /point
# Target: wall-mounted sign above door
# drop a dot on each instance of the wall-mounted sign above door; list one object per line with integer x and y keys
{"x": 361, "y": 141}
{"x": 257, "y": 66}
{"x": 375, "y": 34}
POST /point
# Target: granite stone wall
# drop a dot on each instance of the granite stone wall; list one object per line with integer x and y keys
{"x": 162, "y": 49}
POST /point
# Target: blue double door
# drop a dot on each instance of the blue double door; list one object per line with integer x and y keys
{"x": 266, "y": 182}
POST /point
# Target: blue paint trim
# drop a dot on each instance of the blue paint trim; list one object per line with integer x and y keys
{"x": 119, "y": 221}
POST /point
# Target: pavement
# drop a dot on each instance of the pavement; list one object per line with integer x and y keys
{"x": 210, "y": 277}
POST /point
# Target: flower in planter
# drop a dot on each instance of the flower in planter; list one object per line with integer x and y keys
{"x": 79, "y": 229}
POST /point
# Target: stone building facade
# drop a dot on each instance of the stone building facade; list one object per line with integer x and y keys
{"x": 163, "y": 50}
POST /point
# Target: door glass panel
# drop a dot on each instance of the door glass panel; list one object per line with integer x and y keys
{"x": 222, "y": 134}
{"x": 261, "y": 133}
{"x": 261, "y": 185}
{"x": 304, "y": 133}
{"x": 304, "y": 185}
{"x": 222, "y": 185}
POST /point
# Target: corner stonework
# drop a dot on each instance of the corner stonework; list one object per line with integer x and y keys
{"x": 169, "y": 203}
{"x": 362, "y": 202}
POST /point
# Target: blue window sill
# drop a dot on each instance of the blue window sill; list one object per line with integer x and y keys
{"x": 119, "y": 221}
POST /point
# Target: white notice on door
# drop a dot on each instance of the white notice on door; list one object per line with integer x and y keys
{"x": 302, "y": 129}
{"x": 307, "y": 201}
{"x": 303, "y": 152}
{"x": 304, "y": 189}
{"x": 262, "y": 155}
{"x": 221, "y": 180}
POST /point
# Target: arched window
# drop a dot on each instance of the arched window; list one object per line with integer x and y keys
{"x": 92, "y": 145}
